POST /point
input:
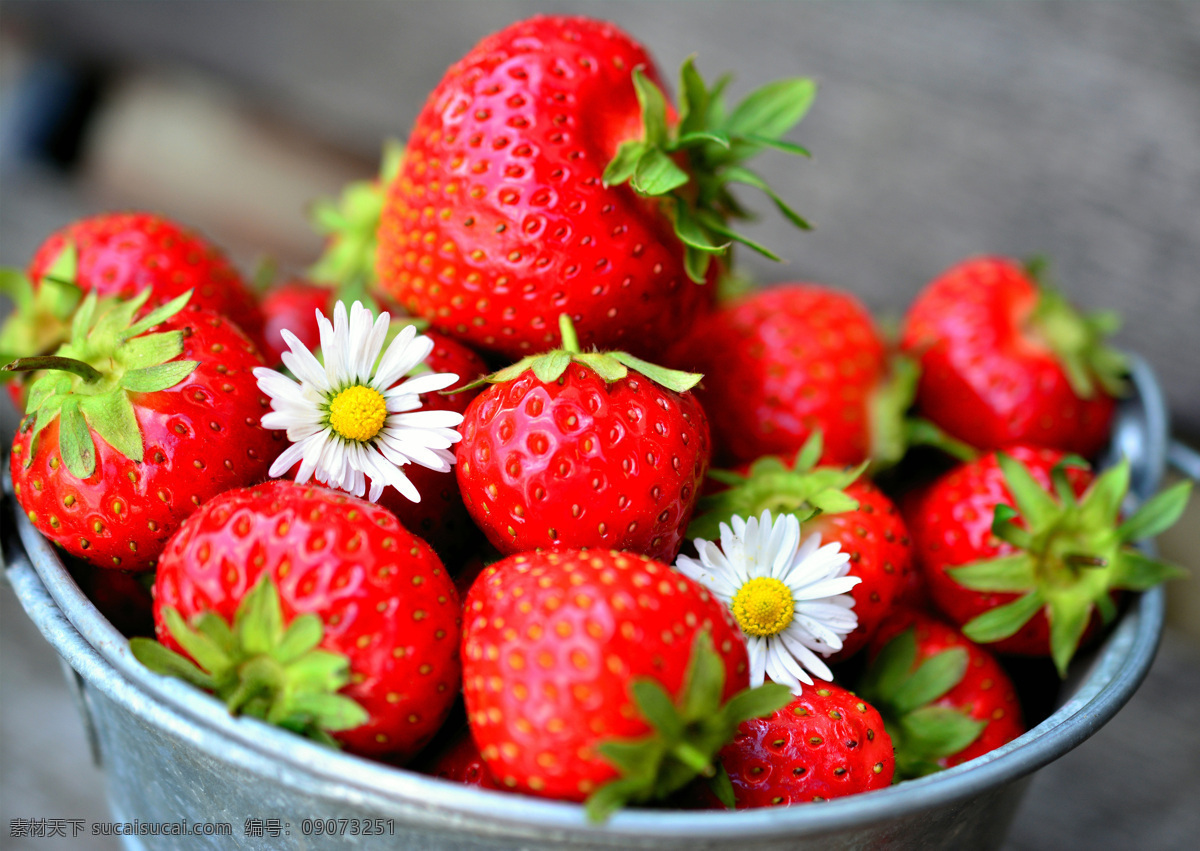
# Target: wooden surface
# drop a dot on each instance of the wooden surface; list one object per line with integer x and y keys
{"x": 941, "y": 129}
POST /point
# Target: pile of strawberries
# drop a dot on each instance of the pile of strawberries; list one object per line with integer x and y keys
{"x": 681, "y": 546}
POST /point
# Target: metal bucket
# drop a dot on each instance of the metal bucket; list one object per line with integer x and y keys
{"x": 174, "y": 755}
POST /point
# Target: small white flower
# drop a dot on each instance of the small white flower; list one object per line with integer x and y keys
{"x": 790, "y": 597}
{"x": 355, "y": 417}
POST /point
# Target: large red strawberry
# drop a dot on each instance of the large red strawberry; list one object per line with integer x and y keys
{"x": 582, "y": 449}
{"x": 1005, "y": 360}
{"x": 784, "y": 362}
{"x": 292, "y": 306}
{"x": 134, "y": 424}
{"x": 944, "y": 699}
{"x": 124, "y": 254}
{"x": 461, "y": 762}
{"x": 1025, "y": 549}
{"x": 836, "y": 503}
{"x": 546, "y": 174}
{"x": 826, "y": 743}
{"x": 314, "y": 610}
{"x": 603, "y": 674}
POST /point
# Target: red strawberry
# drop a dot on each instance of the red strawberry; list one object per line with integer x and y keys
{"x": 461, "y": 762}
{"x": 944, "y": 699}
{"x": 135, "y": 424}
{"x": 1024, "y": 549}
{"x": 511, "y": 205}
{"x": 574, "y": 449}
{"x": 785, "y": 362}
{"x": 123, "y": 254}
{"x": 825, "y": 744}
{"x": 342, "y": 621}
{"x": 1004, "y": 360}
{"x": 599, "y": 673}
{"x": 837, "y": 504}
{"x": 292, "y": 306}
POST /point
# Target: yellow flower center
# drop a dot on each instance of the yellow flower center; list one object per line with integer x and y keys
{"x": 357, "y": 413}
{"x": 763, "y": 606}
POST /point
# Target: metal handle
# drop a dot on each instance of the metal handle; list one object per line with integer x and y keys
{"x": 1184, "y": 459}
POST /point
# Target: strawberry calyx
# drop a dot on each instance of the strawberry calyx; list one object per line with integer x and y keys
{"x": 42, "y": 317}
{"x": 349, "y": 225}
{"x": 1077, "y": 339}
{"x": 894, "y": 430}
{"x": 921, "y": 732}
{"x": 259, "y": 667}
{"x": 803, "y": 489}
{"x": 549, "y": 366}
{"x": 88, "y": 383}
{"x": 712, "y": 145}
{"x": 688, "y": 731}
{"x": 1070, "y": 553}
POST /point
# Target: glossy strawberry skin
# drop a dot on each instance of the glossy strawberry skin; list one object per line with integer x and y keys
{"x": 292, "y": 306}
{"x": 123, "y": 254}
{"x": 552, "y": 642}
{"x": 880, "y": 551}
{"x": 200, "y": 437}
{"x": 984, "y": 378}
{"x": 782, "y": 363}
{"x": 385, "y": 599}
{"x": 985, "y": 693}
{"x": 951, "y": 525}
{"x": 499, "y": 220}
{"x": 440, "y": 518}
{"x": 579, "y": 462}
{"x": 826, "y": 743}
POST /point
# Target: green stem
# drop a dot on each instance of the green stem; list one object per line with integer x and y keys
{"x": 84, "y": 370}
{"x": 570, "y": 340}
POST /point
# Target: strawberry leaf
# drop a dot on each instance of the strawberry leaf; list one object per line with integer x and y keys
{"x": 773, "y": 109}
{"x": 935, "y": 676}
{"x": 1069, "y": 618}
{"x": 622, "y": 167}
{"x": 75, "y": 441}
{"x": 1004, "y": 621}
{"x": 1006, "y": 574}
{"x": 1159, "y": 513}
{"x": 113, "y": 418}
{"x": 154, "y": 378}
{"x": 160, "y": 660}
{"x": 1135, "y": 571}
{"x": 933, "y": 732}
{"x": 657, "y": 174}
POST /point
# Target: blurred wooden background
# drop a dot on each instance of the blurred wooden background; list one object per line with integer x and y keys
{"x": 941, "y": 130}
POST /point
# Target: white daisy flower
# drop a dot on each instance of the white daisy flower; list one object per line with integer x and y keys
{"x": 356, "y": 416}
{"x": 789, "y": 596}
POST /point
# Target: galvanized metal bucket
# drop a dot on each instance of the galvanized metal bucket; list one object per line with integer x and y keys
{"x": 172, "y": 754}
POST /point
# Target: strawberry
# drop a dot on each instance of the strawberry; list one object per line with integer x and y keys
{"x": 603, "y": 674}
{"x": 461, "y": 762}
{"x": 546, "y": 174}
{"x": 1024, "y": 549}
{"x": 314, "y": 610}
{"x": 122, "y": 254}
{"x": 782, "y": 363}
{"x": 836, "y": 503}
{"x": 291, "y": 306}
{"x": 1006, "y": 360}
{"x": 944, "y": 699}
{"x": 134, "y": 424}
{"x": 825, "y": 744}
{"x": 572, "y": 449}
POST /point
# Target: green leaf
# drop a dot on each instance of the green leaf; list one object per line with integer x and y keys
{"x": 303, "y": 634}
{"x": 608, "y": 799}
{"x": 1135, "y": 571}
{"x": 715, "y": 224}
{"x": 1158, "y": 514}
{"x": 623, "y": 164}
{"x": 1033, "y": 502}
{"x": 934, "y": 732}
{"x": 1005, "y": 529}
{"x": 330, "y": 712}
{"x": 773, "y": 109}
{"x": 15, "y": 285}
{"x": 654, "y": 109}
{"x": 936, "y": 676}
{"x": 758, "y": 702}
{"x": 207, "y": 653}
{"x": 704, "y": 680}
{"x": 672, "y": 379}
{"x": 722, "y": 787}
{"x": 696, "y": 263}
{"x": 258, "y": 623}
{"x": 65, "y": 267}
{"x": 690, "y": 231}
{"x": 75, "y": 441}
{"x": 549, "y": 367}
{"x": 160, "y": 660}
{"x": 151, "y": 350}
{"x": 1017, "y": 572}
{"x": 657, "y": 708}
{"x": 604, "y": 365}
{"x": 1101, "y": 504}
{"x": 694, "y": 99}
{"x": 1069, "y": 618}
{"x": 891, "y": 667}
{"x": 319, "y": 670}
{"x": 657, "y": 174}
{"x": 1003, "y": 621}
{"x": 159, "y": 314}
{"x": 154, "y": 378}
{"x": 112, "y": 416}
{"x": 781, "y": 145}
{"x": 701, "y": 137}
{"x": 217, "y": 630}
{"x": 738, "y": 174}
